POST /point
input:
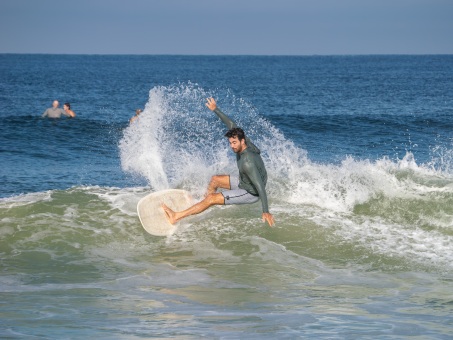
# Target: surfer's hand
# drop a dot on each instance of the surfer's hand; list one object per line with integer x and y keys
{"x": 267, "y": 217}
{"x": 211, "y": 104}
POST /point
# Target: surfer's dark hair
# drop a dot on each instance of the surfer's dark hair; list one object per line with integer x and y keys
{"x": 235, "y": 132}
{"x": 68, "y": 105}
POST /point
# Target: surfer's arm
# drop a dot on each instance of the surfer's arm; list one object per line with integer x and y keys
{"x": 225, "y": 119}
{"x": 212, "y": 105}
{"x": 45, "y": 113}
{"x": 252, "y": 172}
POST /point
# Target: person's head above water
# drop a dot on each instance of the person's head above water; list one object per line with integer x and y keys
{"x": 68, "y": 106}
{"x": 55, "y": 104}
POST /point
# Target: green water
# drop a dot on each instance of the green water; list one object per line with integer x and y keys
{"x": 77, "y": 263}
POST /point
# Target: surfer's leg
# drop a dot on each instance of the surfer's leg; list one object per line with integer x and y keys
{"x": 218, "y": 181}
{"x": 210, "y": 200}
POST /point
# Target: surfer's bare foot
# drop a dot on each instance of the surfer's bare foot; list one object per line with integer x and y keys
{"x": 169, "y": 213}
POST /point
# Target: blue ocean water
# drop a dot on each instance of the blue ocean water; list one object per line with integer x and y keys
{"x": 359, "y": 151}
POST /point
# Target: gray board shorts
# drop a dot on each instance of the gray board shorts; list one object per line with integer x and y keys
{"x": 237, "y": 195}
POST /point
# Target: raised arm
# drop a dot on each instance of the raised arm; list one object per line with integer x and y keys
{"x": 212, "y": 105}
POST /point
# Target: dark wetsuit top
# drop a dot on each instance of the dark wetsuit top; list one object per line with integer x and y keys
{"x": 252, "y": 173}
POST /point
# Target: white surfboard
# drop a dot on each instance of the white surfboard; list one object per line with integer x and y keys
{"x": 153, "y": 217}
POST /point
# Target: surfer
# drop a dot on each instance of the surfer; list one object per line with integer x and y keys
{"x": 55, "y": 111}
{"x": 249, "y": 188}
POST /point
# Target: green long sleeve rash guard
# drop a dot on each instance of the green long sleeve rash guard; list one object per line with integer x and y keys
{"x": 252, "y": 172}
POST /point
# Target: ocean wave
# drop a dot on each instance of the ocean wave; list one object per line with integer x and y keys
{"x": 90, "y": 225}
{"x": 175, "y": 145}
{"x": 382, "y": 214}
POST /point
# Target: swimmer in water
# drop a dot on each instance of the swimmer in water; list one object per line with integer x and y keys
{"x": 54, "y": 111}
{"x": 67, "y": 109}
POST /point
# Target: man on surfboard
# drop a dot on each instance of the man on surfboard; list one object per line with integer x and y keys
{"x": 249, "y": 188}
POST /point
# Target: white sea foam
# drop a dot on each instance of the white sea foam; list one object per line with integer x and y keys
{"x": 25, "y": 199}
{"x": 177, "y": 142}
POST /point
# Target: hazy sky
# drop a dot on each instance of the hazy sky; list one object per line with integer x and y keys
{"x": 271, "y": 27}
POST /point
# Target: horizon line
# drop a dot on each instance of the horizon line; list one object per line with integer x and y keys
{"x": 229, "y": 54}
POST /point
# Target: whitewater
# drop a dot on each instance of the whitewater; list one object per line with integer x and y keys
{"x": 359, "y": 156}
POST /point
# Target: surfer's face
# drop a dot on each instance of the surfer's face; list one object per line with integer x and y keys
{"x": 237, "y": 145}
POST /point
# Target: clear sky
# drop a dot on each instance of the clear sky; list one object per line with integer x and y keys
{"x": 256, "y": 27}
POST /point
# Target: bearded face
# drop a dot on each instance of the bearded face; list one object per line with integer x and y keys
{"x": 237, "y": 145}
